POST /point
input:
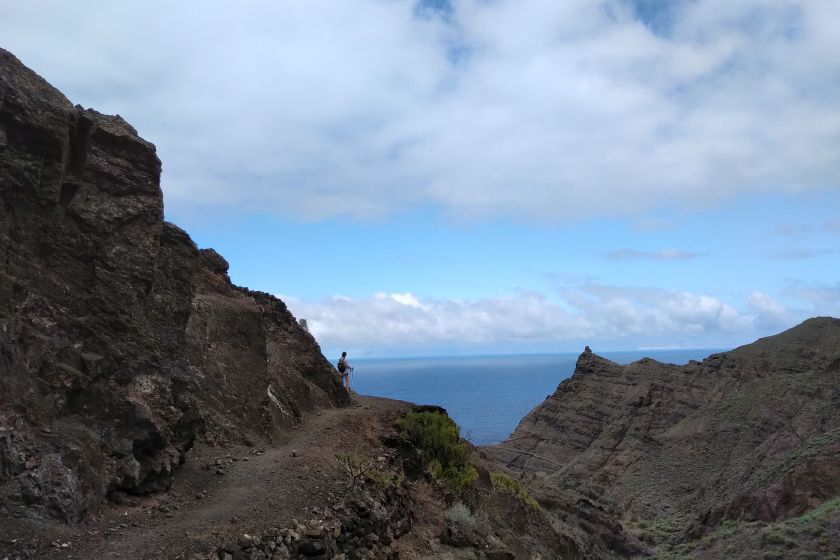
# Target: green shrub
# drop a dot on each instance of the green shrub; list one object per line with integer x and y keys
{"x": 501, "y": 480}
{"x": 445, "y": 455}
{"x": 457, "y": 478}
{"x": 385, "y": 477}
{"x": 437, "y": 436}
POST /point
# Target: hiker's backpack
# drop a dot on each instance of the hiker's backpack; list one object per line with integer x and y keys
{"x": 342, "y": 366}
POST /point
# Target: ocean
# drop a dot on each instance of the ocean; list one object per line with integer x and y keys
{"x": 486, "y": 395}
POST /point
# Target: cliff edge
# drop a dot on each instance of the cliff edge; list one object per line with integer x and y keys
{"x": 120, "y": 341}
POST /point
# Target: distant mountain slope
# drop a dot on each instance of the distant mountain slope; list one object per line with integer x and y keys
{"x": 750, "y": 434}
{"x": 120, "y": 341}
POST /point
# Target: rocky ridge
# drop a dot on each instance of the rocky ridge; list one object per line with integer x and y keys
{"x": 120, "y": 341}
{"x": 746, "y": 436}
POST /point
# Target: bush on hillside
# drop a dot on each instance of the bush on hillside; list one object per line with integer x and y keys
{"x": 444, "y": 454}
{"x": 503, "y": 481}
{"x": 460, "y": 515}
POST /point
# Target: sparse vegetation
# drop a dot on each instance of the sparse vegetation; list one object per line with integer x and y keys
{"x": 385, "y": 477}
{"x": 775, "y": 536}
{"x": 663, "y": 530}
{"x": 801, "y": 537}
{"x": 819, "y": 514}
{"x": 460, "y": 515}
{"x": 503, "y": 481}
{"x": 816, "y": 445}
{"x": 445, "y": 455}
{"x": 358, "y": 468}
{"x": 355, "y": 467}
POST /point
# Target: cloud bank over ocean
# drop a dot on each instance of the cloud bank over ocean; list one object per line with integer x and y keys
{"x": 620, "y": 317}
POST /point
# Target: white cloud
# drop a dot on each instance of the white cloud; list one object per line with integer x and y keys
{"x": 617, "y": 316}
{"x": 407, "y": 299}
{"x": 768, "y": 313}
{"x": 536, "y": 109}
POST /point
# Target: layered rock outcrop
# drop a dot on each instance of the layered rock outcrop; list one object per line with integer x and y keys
{"x": 752, "y": 434}
{"x": 120, "y": 341}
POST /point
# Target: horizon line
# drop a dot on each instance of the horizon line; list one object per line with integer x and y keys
{"x": 711, "y": 349}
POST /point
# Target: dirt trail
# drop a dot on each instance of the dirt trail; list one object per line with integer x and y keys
{"x": 220, "y": 493}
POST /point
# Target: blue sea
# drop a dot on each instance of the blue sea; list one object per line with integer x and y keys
{"x": 486, "y": 395}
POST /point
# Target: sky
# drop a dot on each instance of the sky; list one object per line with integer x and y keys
{"x": 485, "y": 176}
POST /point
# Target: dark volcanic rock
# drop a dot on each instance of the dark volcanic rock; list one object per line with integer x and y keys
{"x": 120, "y": 341}
{"x": 252, "y": 366}
{"x": 751, "y": 434}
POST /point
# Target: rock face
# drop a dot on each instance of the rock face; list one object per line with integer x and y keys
{"x": 120, "y": 341}
{"x": 750, "y": 435}
{"x": 251, "y": 366}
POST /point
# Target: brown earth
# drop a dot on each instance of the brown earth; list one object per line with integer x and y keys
{"x": 222, "y": 494}
{"x": 258, "y": 488}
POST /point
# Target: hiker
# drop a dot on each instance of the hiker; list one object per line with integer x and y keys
{"x": 345, "y": 370}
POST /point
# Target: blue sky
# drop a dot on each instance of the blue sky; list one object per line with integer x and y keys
{"x": 482, "y": 177}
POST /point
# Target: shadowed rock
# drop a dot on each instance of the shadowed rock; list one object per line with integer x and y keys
{"x": 120, "y": 341}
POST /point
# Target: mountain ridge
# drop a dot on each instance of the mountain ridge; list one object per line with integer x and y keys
{"x": 752, "y": 434}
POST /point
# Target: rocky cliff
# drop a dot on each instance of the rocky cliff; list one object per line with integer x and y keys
{"x": 120, "y": 341}
{"x": 127, "y": 358}
{"x": 747, "y": 436}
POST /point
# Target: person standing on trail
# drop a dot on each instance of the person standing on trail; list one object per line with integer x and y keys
{"x": 345, "y": 370}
